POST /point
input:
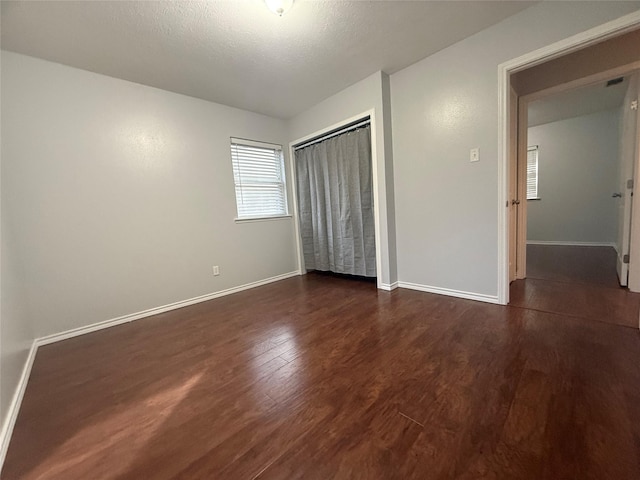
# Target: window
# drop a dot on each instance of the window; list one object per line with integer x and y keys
{"x": 532, "y": 173}
{"x": 258, "y": 172}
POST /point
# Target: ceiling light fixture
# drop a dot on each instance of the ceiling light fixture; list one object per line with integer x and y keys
{"x": 279, "y": 7}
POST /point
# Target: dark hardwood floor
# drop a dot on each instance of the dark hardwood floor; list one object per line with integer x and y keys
{"x": 581, "y": 265}
{"x": 318, "y": 378}
{"x": 576, "y": 281}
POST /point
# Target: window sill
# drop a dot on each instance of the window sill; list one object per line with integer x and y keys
{"x": 261, "y": 219}
{"x": 537, "y": 198}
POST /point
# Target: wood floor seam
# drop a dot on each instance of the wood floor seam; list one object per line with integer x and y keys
{"x": 577, "y": 317}
{"x": 264, "y": 469}
{"x": 411, "y": 419}
{"x": 617, "y": 288}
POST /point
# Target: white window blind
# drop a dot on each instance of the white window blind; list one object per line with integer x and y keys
{"x": 532, "y": 172}
{"x": 258, "y": 172}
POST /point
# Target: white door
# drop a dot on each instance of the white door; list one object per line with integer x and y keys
{"x": 625, "y": 191}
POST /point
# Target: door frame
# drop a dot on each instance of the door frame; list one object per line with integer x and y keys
{"x": 624, "y": 268}
{"x": 513, "y": 184}
{"x": 520, "y": 164}
{"x": 584, "y": 39}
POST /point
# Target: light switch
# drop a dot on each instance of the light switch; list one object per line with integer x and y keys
{"x": 474, "y": 155}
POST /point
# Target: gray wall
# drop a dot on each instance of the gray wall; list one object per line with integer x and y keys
{"x": 578, "y": 172}
{"x": 371, "y": 93}
{"x": 121, "y": 196}
{"x": 444, "y": 105}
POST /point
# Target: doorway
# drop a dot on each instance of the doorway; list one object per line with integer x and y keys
{"x": 576, "y": 183}
{"x": 579, "y": 179}
{"x": 589, "y": 137}
{"x": 550, "y": 75}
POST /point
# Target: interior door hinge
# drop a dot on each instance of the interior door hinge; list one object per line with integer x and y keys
{"x": 630, "y": 183}
{"x": 634, "y": 105}
{"x": 625, "y": 258}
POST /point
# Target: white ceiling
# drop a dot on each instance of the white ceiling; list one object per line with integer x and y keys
{"x": 575, "y": 103}
{"x": 237, "y": 52}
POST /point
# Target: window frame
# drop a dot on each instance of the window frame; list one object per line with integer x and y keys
{"x": 281, "y": 182}
{"x": 536, "y": 194}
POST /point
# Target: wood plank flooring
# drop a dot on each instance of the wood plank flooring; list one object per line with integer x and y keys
{"x": 583, "y": 265}
{"x": 576, "y": 281}
{"x": 317, "y": 377}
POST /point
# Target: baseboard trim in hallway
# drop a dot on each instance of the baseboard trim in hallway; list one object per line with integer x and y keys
{"x": 572, "y": 244}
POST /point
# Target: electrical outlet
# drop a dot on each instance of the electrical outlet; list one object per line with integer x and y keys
{"x": 216, "y": 270}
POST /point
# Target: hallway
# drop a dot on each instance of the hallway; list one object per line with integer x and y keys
{"x": 575, "y": 281}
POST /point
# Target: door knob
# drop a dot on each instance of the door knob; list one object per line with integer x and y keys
{"x": 617, "y": 194}
{"x": 515, "y": 202}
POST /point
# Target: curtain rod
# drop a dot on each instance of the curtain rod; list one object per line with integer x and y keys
{"x": 333, "y": 133}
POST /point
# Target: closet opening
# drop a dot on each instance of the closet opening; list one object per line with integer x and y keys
{"x": 333, "y": 178}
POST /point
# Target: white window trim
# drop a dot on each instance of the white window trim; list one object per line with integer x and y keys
{"x": 261, "y": 219}
{"x": 267, "y": 146}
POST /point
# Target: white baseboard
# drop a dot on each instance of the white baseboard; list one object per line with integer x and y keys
{"x": 571, "y": 244}
{"x": 16, "y": 401}
{"x": 56, "y": 337}
{"x": 388, "y": 286}
{"x": 14, "y": 408}
{"x": 480, "y": 297}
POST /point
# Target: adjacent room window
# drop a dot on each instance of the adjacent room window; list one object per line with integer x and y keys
{"x": 532, "y": 173}
{"x": 258, "y": 171}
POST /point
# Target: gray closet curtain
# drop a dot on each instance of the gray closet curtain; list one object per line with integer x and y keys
{"x": 335, "y": 200}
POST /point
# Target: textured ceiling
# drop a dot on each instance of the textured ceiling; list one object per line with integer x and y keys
{"x": 574, "y": 103}
{"x": 237, "y": 52}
